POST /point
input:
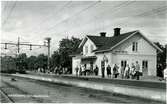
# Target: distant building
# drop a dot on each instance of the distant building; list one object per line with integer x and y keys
{"x": 120, "y": 49}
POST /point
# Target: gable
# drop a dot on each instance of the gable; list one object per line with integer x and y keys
{"x": 144, "y": 46}
{"x": 90, "y": 46}
{"x": 116, "y": 41}
{"x": 113, "y": 41}
{"x": 104, "y": 44}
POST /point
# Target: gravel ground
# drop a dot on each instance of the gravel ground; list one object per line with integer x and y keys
{"x": 27, "y": 90}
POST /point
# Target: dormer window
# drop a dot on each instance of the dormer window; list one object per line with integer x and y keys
{"x": 134, "y": 46}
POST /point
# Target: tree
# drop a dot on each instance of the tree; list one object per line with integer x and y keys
{"x": 161, "y": 61}
{"x": 21, "y": 62}
{"x": 66, "y": 48}
{"x": 32, "y": 62}
{"x": 55, "y": 59}
{"x": 42, "y": 61}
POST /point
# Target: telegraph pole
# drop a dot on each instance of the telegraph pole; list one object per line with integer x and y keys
{"x": 166, "y": 54}
{"x": 18, "y": 45}
{"x": 48, "y": 42}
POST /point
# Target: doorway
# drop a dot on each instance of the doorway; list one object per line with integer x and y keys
{"x": 145, "y": 67}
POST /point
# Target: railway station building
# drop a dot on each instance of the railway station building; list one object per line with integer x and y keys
{"x": 120, "y": 49}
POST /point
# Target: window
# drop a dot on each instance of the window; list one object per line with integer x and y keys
{"x": 123, "y": 63}
{"x": 145, "y": 64}
{"x": 91, "y": 48}
{"x": 86, "y": 49}
{"x": 134, "y": 46}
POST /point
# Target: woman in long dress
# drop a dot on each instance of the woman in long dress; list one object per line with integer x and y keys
{"x": 126, "y": 73}
{"x": 132, "y": 71}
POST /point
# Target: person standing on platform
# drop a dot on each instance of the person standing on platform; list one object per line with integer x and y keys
{"x": 84, "y": 70}
{"x": 80, "y": 70}
{"x": 122, "y": 71}
{"x": 96, "y": 70}
{"x": 103, "y": 70}
{"x": 115, "y": 71}
{"x": 76, "y": 69}
{"x": 109, "y": 71}
{"x": 127, "y": 69}
{"x": 137, "y": 69}
{"x": 132, "y": 71}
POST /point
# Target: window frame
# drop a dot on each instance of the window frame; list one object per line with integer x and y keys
{"x": 134, "y": 46}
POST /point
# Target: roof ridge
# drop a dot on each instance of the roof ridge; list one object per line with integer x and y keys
{"x": 129, "y": 32}
{"x": 104, "y": 43}
{"x": 112, "y": 36}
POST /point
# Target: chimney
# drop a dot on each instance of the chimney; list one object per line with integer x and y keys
{"x": 117, "y": 31}
{"x": 103, "y": 34}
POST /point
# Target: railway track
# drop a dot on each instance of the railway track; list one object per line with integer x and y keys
{"x": 12, "y": 94}
{"x": 4, "y": 97}
{"x": 58, "y": 93}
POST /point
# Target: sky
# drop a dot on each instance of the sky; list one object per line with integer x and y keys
{"x": 33, "y": 21}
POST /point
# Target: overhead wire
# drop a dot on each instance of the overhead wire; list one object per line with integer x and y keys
{"x": 78, "y": 13}
{"x": 10, "y": 13}
{"x": 143, "y": 14}
{"x": 114, "y": 9}
{"x": 90, "y": 21}
{"x": 57, "y": 12}
{"x": 160, "y": 9}
{"x": 157, "y": 10}
{"x": 5, "y": 7}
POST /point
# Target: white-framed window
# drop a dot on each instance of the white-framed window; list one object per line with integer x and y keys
{"x": 134, "y": 46}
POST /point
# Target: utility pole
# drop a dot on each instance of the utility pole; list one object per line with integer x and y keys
{"x": 18, "y": 45}
{"x": 17, "y": 55}
{"x": 48, "y": 42}
{"x": 166, "y": 54}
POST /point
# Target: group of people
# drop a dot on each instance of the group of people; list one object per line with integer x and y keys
{"x": 131, "y": 72}
{"x": 56, "y": 70}
{"x": 125, "y": 72}
{"x": 60, "y": 70}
